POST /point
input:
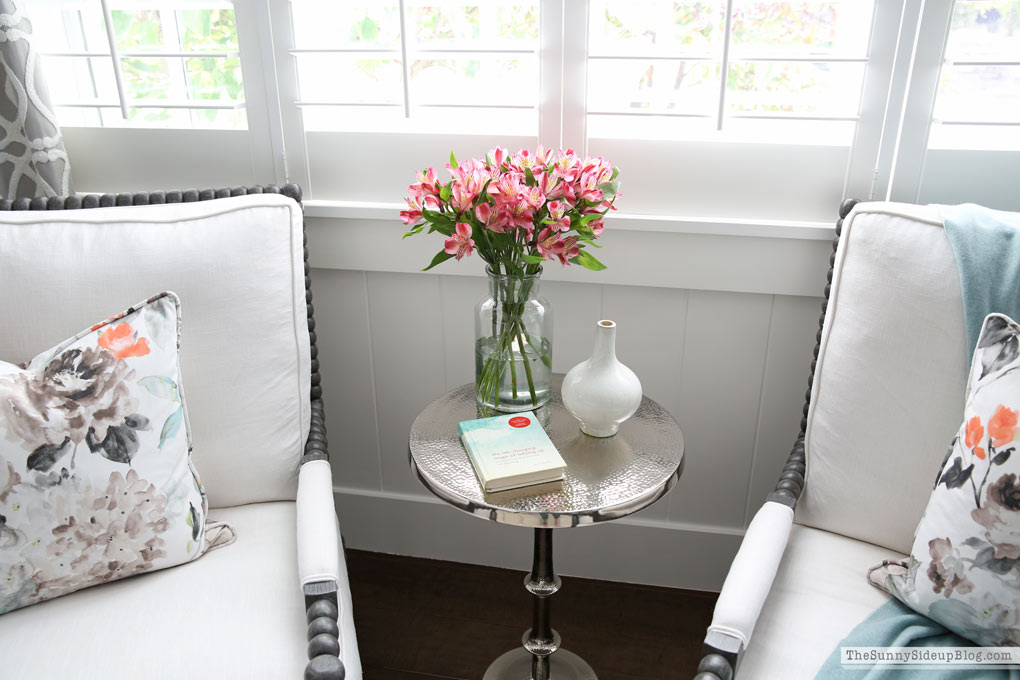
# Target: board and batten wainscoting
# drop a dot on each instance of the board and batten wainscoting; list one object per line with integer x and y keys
{"x": 717, "y": 319}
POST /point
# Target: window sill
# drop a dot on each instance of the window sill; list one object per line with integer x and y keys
{"x": 617, "y": 221}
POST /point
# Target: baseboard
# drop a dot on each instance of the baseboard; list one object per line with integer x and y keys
{"x": 632, "y": 551}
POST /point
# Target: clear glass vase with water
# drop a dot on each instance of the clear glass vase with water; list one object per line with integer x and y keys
{"x": 513, "y": 345}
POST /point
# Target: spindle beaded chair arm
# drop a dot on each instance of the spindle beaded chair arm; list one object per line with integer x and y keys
{"x": 737, "y": 608}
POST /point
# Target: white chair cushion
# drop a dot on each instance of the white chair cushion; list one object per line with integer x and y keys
{"x": 819, "y": 595}
{"x": 888, "y": 387}
{"x": 237, "y": 265}
{"x": 236, "y": 613}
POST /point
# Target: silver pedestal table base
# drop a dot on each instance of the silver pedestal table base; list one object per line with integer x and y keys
{"x": 606, "y": 478}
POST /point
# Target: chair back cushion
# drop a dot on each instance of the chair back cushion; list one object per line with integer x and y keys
{"x": 237, "y": 265}
{"x": 888, "y": 389}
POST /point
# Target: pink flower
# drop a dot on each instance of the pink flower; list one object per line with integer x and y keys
{"x": 566, "y": 165}
{"x": 427, "y": 181}
{"x": 462, "y": 198}
{"x": 557, "y": 219}
{"x": 505, "y": 188}
{"x": 498, "y": 155}
{"x": 587, "y": 188}
{"x": 413, "y": 212}
{"x": 520, "y": 214}
{"x": 460, "y": 244}
{"x": 525, "y": 159}
{"x": 414, "y": 208}
{"x": 568, "y": 249}
{"x": 596, "y": 227}
{"x": 555, "y": 187}
{"x": 533, "y": 195}
{"x": 548, "y": 244}
{"x": 491, "y": 219}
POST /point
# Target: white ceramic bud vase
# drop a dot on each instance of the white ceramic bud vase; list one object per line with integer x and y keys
{"x": 601, "y": 392}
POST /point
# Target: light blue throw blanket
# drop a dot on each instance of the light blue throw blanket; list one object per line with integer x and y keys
{"x": 894, "y": 624}
{"x": 987, "y": 248}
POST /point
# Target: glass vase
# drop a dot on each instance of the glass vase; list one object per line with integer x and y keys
{"x": 513, "y": 345}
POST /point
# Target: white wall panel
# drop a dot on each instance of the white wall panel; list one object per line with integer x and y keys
{"x": 345, "y": 359}
{"x": 650, "y": 340}
{"x": 576, "y": 307}
{"x": 787, "y": 366}
{"x": 457, "y": 303}
{"x": 408, "y": 361}
{"x": 747, "y": 264}
{"x": 720, "y": 384}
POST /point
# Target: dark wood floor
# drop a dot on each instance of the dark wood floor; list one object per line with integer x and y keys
{"x": 430, "y": 620}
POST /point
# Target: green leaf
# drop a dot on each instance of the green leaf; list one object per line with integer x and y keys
{"x": 616, "y": 171}
{"x": 453, "y": 160}
{"x": 589, "y": 218}
{"x": 445, "y": 192}
{"x": 369, "y": 30}
{"x": 609, "y": 189}
{"x": 533, "y": 259}
{"x": 589, "y": 240}
{"x": 416, "y": 229}
{"x": 441, "y": 257}
{"x": 171, "y": 426}
{"x": 529, "y": 177}
{"x": 588, "y": 261}
{"x": 488, "y": 160}
{"x": 437, "y": 218}
{"x": 161, "y": 386}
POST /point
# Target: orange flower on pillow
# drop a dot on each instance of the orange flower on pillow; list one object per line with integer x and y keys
{"x": 123, "y": 342}
{"x": 973, "y": 436}
{"x": 1002, "y": 426}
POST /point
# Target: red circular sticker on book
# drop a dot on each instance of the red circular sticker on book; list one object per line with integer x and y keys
{"x": 519, "y": 421}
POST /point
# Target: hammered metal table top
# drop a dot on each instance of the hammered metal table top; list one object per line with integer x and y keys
{"x": 606, "y": 478}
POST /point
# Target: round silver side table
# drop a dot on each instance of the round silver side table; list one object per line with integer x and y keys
{"x": 606, "y": 479}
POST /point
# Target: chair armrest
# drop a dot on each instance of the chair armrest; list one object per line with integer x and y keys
{"x": 319, "y": 568}
{"x": 317, "y": 547}
{"x": 744, "y": 592}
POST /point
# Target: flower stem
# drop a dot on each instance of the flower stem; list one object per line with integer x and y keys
{"x": 527, "y": 364}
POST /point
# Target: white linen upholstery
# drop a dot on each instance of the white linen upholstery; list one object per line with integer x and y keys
{"x": 819, "y": 595}
{"x": 237, "y": 265}
{"x": 236, "y": 613}
{"x": 889, "y": 383}
{"x": 318, "y": 558}
{"x": 750, "y": 577}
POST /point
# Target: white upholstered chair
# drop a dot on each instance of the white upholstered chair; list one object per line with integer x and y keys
{"x": 277, "y": 597}
{"x": 885, "y": 399}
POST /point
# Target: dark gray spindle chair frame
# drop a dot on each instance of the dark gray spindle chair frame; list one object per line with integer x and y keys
{"x": 321, "y": 607}
{"x": 720, "y": 654}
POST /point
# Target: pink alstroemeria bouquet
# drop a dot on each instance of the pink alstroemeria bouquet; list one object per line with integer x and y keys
{"x": 517, "y": 210}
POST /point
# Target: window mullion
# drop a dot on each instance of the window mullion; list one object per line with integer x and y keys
{"x": 724, "y": 66}
{"x": 575, "y": 29}
{"x": 406, "y": 78}
{"x": 550, "y": 73}
{"x": 117, "y": 75}
{"x": 915, "y": 121}
{"x": 891, "y": 43}
{"x": 277, "y": 29}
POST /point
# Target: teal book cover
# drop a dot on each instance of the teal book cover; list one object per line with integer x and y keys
{"x": 510, "y": 451}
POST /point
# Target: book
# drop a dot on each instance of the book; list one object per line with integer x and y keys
{"x": 510, "y": 451}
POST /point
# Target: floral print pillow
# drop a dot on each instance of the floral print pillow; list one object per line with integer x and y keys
{"x": 964, "y": 567}
{"x": 96, "y": 480}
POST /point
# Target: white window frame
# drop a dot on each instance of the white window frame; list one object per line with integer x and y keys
{"x": 886, "y": 160}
